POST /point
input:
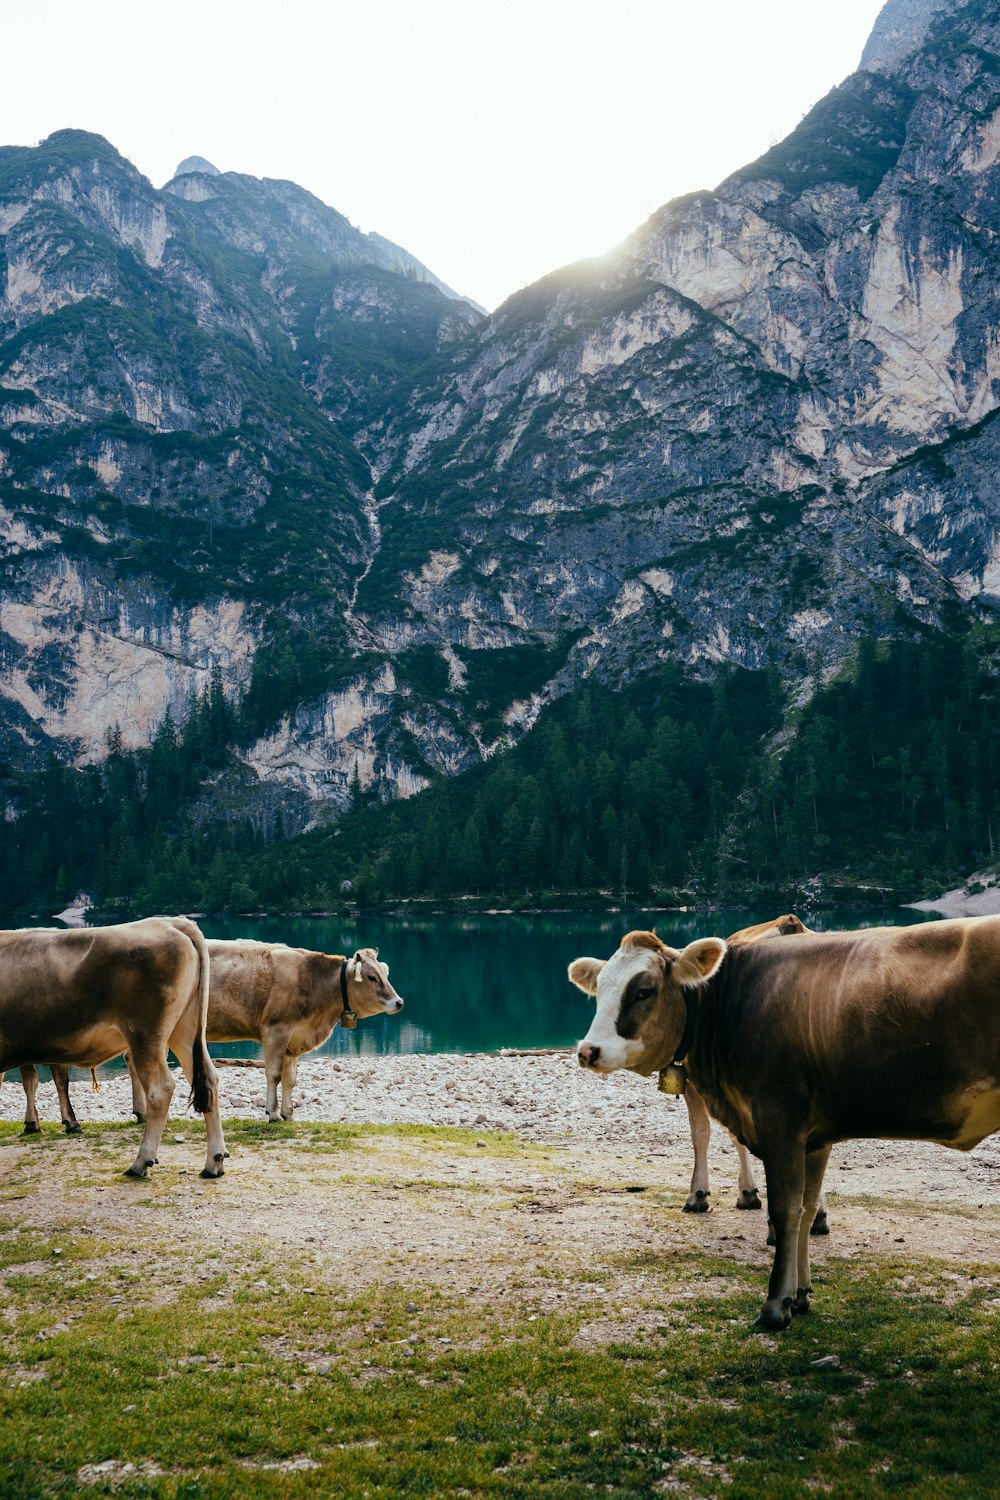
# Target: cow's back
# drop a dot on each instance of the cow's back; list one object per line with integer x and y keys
{"x": 250, "y": 982}
{"x": 68, "y": 995}
{"x": 884, "y": 1031}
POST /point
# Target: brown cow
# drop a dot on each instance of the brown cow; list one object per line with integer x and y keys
{"x": 81, "y": 996}
{"x": 289, "y": 999}
{"x": 887, "y": 1033}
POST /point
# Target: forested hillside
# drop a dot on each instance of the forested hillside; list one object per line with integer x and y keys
{"x": 669, "y": 791}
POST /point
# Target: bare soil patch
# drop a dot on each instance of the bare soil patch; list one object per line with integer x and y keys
{"x": 561, "y": 1208}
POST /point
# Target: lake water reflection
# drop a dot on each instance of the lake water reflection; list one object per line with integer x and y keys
{"x": 478, "y": 983}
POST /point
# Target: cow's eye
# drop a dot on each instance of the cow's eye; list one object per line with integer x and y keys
{"x": 645, "y": 992}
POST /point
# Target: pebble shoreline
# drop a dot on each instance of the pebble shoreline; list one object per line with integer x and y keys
{"x": 543, "y": 1098}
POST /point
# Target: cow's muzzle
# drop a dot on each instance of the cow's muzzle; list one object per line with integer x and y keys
{"x": 588, "y": 1055}
{"x": 394, "y": 1006}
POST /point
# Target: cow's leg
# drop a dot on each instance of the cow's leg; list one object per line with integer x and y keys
{"x": 29, "y": 1079}
{"x": 150, "y": 1064}
{"x": 60, "y": 1077}
{"x": 820, "y": 1224}
{"x": 701, "y": 1133}
{"x": 815, "y": 1167}
{"x": 275, "y": 1050}
{"x": 289, "y": 1073}
{"x": 216, "y": 1153}
{"x": 785, "y": 1170}
{"x": 138, "y": 1095}
{"x": 749, "y": 1196}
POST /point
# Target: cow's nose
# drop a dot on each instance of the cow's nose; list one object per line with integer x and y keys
{"x": 587, "y": 1055}
{"x": 399, "y": 1003}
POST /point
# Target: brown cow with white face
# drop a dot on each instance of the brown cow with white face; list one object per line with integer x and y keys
{"x": 887, "y": 1033}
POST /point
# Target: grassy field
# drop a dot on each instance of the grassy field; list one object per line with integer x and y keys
{"x": 145, "y": 1355}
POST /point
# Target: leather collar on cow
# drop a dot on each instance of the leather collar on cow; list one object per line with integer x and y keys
{"x": 673, "y": 1080}
{"x": 348, "y": 1020}
{"x": 690, "y": 1022}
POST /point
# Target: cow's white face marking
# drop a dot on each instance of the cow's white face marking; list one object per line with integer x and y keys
{"x": 653, "y": 976}
{"x": 617, "y": 1051}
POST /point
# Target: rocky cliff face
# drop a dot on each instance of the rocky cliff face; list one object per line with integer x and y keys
{"x": 234, "y": 426}
{"x": 179, "y": 371}
{"x": 730, "y": 440}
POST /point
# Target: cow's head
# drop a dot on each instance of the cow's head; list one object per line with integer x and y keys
{"x": 369, "y": 989}
{"x": 787, "y": 926}
{"x": 640, "y": 1015}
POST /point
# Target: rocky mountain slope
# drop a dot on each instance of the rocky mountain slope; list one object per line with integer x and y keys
{"x": 237, "y": 432}
{"x": 180, "y": 372}
{"x": 763, "y": 427}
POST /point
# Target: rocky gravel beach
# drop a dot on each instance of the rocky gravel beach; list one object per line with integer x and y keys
{"x": 543, "y": 1098}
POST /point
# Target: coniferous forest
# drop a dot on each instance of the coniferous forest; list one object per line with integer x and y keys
{"x": 669, "y": 791}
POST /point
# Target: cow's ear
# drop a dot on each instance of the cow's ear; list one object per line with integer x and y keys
{"x": 583, "y": 973}
{"x": 696, "y": 963}
{"x": 384, "y": 968}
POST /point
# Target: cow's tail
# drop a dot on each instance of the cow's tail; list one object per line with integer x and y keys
{"x": 95, "y": 1082}
{"x": 202, "y": 1084}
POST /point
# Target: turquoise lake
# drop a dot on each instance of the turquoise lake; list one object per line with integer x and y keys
{"x": 479, "y": 983}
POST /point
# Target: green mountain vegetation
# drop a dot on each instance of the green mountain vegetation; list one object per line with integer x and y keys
{"x": 671, "y": 790}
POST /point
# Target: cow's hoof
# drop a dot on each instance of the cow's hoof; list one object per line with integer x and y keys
{"x": 31, "y": 1127}
{"x": 210, "y": 1173}
{"x": 749, "y": 1199}
{"x": 801, "y": 1301}
{"x": 140, "y": 1118}
{"x": 698, "y": 1204}
{"x": 771, "y": 1240}
{"x": 75, "y": 1129}
{"x": 773, "y": 1318}
{"x": 820, "y": 1225}
{"x": 138, "y": 1172}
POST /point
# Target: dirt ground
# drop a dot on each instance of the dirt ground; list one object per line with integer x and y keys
{"x": 553, "y": 1219}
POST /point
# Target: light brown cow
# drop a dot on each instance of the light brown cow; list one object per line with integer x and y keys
{"x": 887, "y": 1033}
{"x": 700, "y": 1124}
{"x": 289, "y": 999}
{"x": 81, "y": 996}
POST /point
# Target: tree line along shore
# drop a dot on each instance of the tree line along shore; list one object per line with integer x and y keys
{"x": 883, "y": 788}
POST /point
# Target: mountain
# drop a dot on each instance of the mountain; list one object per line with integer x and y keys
{"x": 180, "y": 376}
{"x": 241, "y": 436}
{"x": 761, "y": 429}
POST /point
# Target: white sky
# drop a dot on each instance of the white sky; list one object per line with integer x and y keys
{"x": 495, "y": 142}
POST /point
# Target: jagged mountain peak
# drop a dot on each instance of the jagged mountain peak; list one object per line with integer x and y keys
{"x": 900, "y": 29}
{"x": 196, "y": 164}
{"x": 22, "y": 168}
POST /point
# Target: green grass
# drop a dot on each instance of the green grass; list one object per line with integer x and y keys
{"x": 241, "y": 1368}
{"x": 106, "y": 1136}
{"x": 491, "y": 1400}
